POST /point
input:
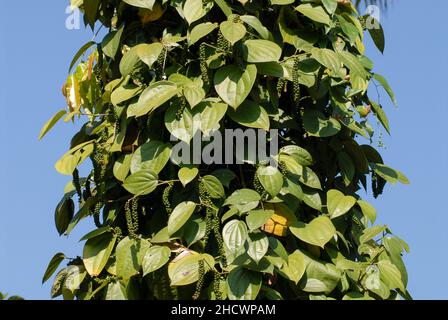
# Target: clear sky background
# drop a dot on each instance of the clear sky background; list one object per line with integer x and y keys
{"x": 36, "y": 49}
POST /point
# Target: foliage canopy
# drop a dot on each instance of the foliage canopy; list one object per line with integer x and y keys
{"x": 297, "y": 230}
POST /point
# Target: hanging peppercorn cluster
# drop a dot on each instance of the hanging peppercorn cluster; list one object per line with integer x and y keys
{"x": 166, "y": 197}
{"x": 203, "y": 63}
{"x": 131, "y": 214}
{"x": 212, "y": 221}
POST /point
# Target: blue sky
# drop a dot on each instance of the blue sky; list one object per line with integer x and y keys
{"x": 36, "y": 50}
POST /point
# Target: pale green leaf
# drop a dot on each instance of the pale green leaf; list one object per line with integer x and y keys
{"x": 186, "y": 175}
{"x": 200, "y": 31}
{"x": 141, "y": 183}
{"x": 50, "y": 123}
{"x": 96, "y": 253}
{"x": 153, "y": 156}
{"x": 232, "y": 31}
{"x": 271, "y": 179}
{"x": 234, "y": 235}
{"x": 256, "y": 51}
{"x": 233, "y": 84}
{"x": 155, "y": 258}
{"x": 180, "y": 216}
{"x": 318, "y": 232}
{"x": 256, "y": 218}
{"x": 338, "y": 204}
{"x": 153, "y": 97}
{"x": 314, "y": 12}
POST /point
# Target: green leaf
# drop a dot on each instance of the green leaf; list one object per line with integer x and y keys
{"x": 152, "y": 156}
{"x": 122, "y": 166}
{"x": 277, "y": 247}
{"x": 81, "y": 214}
{"x": 184, "y": 270}
{"x": 194, "y": 94}
{"x": 95, "y": 233}
{"x": 232, "y": 31}
{"x": 234, "y": 235}
{"x": 50, "y": 123}
{"x": 80, "y": 52}
{"x": 381, "y": 115}
{"x": 193, "y": 10}
{"x": 314, "y": 12}
{"x": 349, "y": 27}
{"x": 210, "y": 114}
{"x": 312, "y": 198}
{"x": 370, "y": 233}
{"x": 180, "y": 216}
{"x": 129, "y": 61}
{"x": 194, "y": 230}
{"x": 243, "y": 284}
{"x": 244, "y": 199}
{"x": 305, "y": 175}
{"x": 320, "y": 276}
{"x": 183, "y": 129}
{"x": 310, "y": 178}
{"x": 383, "y": 82}
{"x": 353, "y": 63}
{"x": 250, "y": 114}
{"x": 153, "y": 97}
{"x": 111, "y": 42}
{"x": 200, "y": 31}
{"x": 155, "y": 258}
{"x": 368, "y": 210}
{"x": 347, "y": 167}
{"x": 97, "y": 252}
{"x": 74, "y": 157}
{"x": 149, "y": 53}
{"x": 224, "y": 7}
{"x": 146, "y": 4}
{"x": 213, "y": 186}
{"x": 64, "y": 214}
{"x": 256, "y": 218}
{"x": 53, "y": 266}
{"x": 256, "y": 51}
{"x": 186, "y": 175}
{"x": 318, "y": 232}
{"x": 301, "y": 155}
{"x": 330, "y": 5}
{"x": 124, "y": 93}
{"x": 58, "y": 283}
{"x": 295, "y": 269}
{"x": 327, "y": 58}
{"x": 338, "y": 204}
{"x": 233, "y": 84}
{"x": 377, "y": 35}
{"x": 129, "y": 257}
{"x": 141, "y": 183}
{"x": 116, "y": 291}
{"x": 390, "y": 175}
{"x": 281, "y": 2}
{"x": 271, "y": 179}
{"x": 390, "y": 275}
{"x": 316, "y": 124}
{"x": 257, "y": 26}
{"x": 257, "y": 246}
{"x": 271, "y": 294}
{"x": 75, "y": 276}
